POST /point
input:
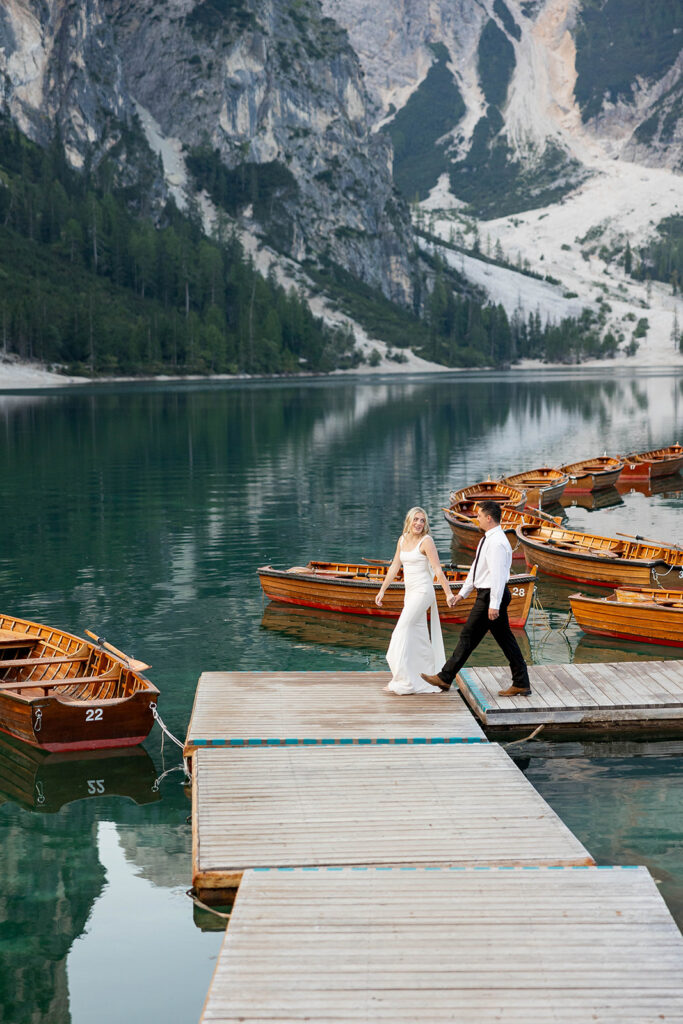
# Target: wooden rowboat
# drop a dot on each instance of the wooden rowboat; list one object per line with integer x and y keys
{"x": 656, "y": 463}
{"x": 644, "y": 614}
{"x": 462, "y": 519}
{"x": 543, "y": 486}
{"x": 592, "y": 474}
{"x": 351, "y": 588}
{"x": 490, "y": 490}
{"x": 601, "y": 561}
{"x": 59, "y": 692}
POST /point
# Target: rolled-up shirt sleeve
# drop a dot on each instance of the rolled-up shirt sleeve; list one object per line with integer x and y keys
{"x": 499, "y": 561}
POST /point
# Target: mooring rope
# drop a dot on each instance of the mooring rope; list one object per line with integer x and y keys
{"x": 164, "y": 728}
{"x": 205, "y": 906}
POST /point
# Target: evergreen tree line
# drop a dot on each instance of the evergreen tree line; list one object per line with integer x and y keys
{"x": 462, "y": 332}
{"x": 87, "y": 284}
{"x": 662, "y": 258}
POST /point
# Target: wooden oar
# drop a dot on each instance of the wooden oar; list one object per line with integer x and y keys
{"x": 376, "y": 561}
{"x": 460, "y": 515}
{"x": 648, "y": 540}
{"x": 136, "y": 666}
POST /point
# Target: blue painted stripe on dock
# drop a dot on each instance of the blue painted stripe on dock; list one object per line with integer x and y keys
{"x": 344, "y": 741}
{"x": 466, "y": 673}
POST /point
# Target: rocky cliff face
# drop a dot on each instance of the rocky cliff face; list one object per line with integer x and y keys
{"x": 537, "y": 89}
{"x": 264, "y": 97}
{"x": 288, "y": 110}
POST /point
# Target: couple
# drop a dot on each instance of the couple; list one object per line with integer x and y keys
{"x": 412, "y": 656}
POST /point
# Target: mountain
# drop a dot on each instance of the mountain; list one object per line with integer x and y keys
{"x": 264, "y": 99}
{"x": 313, "y": 124}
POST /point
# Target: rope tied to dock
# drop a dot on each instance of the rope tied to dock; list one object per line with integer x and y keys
{"x": 204, "y": 906}
{"x": 164, "y": 728}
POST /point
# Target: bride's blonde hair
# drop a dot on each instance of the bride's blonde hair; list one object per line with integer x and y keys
{"x": 409, "y": 520}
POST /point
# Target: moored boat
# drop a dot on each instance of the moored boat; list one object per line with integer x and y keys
{"x": 60, "y": 692}
{"x": 650, "y": 465}
{"x": 601, "y": 561}
{"x": 490, "y": 490}
{"x": 543, "y": 486}
{"x": 462, "y": 519}
{"x": 352, "y": 587}
{"x": 644, "y": 614}
{"x": 592, "y": 474}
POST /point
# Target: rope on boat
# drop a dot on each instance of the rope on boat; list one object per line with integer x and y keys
{"x": 657, "y": 576}
{"x": 204, "y": 906}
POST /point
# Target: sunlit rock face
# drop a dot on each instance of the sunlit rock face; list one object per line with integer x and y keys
{"x": 269, "y": 91}
{"x": 532, "y": 90}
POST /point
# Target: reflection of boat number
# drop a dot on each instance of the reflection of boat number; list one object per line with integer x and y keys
{"x": 517, "y": 591}
{"x": 93, "y": 715}
{"x": 95, "y": 786}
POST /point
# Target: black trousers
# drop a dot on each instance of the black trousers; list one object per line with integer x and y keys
{"x": 473, "y": 632}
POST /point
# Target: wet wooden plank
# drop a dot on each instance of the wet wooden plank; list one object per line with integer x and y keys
{"x": 331, "y": 806}
{"x": 609, "y": 694}
{"x": 389, "y": 945}
{"x": 291, "y": 708}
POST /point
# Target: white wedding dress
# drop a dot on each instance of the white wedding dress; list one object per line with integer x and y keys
{"x": 410, "y": 650}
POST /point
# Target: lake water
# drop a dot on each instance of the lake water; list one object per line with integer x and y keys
{"x": 141, "y": 512}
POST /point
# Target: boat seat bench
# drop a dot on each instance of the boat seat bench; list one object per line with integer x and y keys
{"x": 51, "y": 684}
{"x": 81, "y": 654}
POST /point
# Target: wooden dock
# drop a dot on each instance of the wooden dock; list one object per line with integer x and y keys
{"x": 474, "y": 946}
{"x": 237, "y": 709}
{"x": 395, "y": 866}
{"x": 640, "y": 693}
{"x": 369, "y": 805}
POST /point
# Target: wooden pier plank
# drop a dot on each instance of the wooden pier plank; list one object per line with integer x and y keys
{"x": 379, "y": 945}
{"x": 231, "y": 707}
{"x": 320, "y": 806}
{"x": 608, "y": 694}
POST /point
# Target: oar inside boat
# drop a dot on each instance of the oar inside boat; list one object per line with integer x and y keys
{"x": 133, "y": 663}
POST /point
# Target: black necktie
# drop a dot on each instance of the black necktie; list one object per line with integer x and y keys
{"x": 476, "y": 557}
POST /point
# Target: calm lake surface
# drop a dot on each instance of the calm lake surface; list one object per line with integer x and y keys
{"x": 142, "y": 512}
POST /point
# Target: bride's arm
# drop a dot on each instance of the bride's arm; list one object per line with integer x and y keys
{"x": 390, "y": 576}
{"x": 428, "y": 548}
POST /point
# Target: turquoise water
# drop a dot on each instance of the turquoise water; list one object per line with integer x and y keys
{"x": 141, "y": 512}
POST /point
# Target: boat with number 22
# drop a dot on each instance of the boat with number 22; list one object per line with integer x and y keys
{"x": 60, "y": 692}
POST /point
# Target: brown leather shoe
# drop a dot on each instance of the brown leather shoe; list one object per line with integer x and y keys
{"x": 514, "y": 691}
{"x": 435, "y": 681}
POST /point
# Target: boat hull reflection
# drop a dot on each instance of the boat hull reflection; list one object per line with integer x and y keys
{"x": 44, "y": 782}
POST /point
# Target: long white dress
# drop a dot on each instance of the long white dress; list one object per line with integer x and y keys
{"x": 410, "y": 650}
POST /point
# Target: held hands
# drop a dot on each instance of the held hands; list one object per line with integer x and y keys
{"x": 378, "y": 599}
{"x": 493, "y": 614}
{"x": 452, "y": 600}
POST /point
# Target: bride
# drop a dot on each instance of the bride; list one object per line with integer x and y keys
{"x": 410, "y": 648}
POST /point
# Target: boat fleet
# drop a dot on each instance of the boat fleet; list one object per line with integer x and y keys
{"x": 60, "y": 693}
{"x": 646, "y": 575}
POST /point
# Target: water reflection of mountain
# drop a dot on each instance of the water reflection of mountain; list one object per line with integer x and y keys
{"x": 50, "y": 876}
{"x": 45, "y": 782}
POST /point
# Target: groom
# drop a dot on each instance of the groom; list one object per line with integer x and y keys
{"x": 488, "y": 574}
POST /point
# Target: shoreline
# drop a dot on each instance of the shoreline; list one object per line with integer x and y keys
{"x": 16, "y": 376}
